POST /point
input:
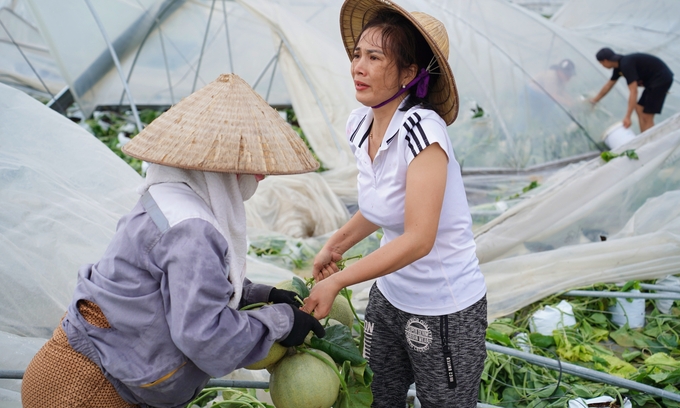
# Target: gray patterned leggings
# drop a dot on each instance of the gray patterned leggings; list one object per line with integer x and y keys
{"x": 444, "y": 355}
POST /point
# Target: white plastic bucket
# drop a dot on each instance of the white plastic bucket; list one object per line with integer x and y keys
{"x": 632, "y": 312}
{"x": 617, "y": 135}
{"x": 550, "y": 318}
{"x": 664, "y": 305}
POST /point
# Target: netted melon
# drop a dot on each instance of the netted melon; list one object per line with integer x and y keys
{"x": 304, "y": 381}
{"x": 342, "y": 311}
{"x": 287, "y": 285}
{"x": 275, "y": 354}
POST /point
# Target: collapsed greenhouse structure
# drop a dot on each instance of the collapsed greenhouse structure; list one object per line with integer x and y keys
{"x": 550, "y": 213}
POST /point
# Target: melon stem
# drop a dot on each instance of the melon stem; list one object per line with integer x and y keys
{"x": 345, "y": 293}
{"x": 253, "y": 306}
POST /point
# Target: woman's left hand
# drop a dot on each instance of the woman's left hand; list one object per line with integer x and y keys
{"x": 325, "y": 264}
{"x": 321, "y": 298}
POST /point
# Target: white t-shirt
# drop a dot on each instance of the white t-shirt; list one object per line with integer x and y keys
{"x": 447, "y": 279}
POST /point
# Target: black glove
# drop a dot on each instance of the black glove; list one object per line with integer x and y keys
{"x": 284, "y": 296}
{"x": 302, "y": 324}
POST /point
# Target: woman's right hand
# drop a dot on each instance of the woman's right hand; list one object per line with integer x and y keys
{"x": 324, "y": 264}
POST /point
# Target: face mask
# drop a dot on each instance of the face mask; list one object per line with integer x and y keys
{"x": 247, "y": 183}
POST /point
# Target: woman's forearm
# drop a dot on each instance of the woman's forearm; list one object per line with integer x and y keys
{"x": 400, "y": 252}
{"x": 356, "y": 229}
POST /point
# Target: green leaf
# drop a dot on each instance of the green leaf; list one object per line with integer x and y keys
{"x": 673, "y": 377}
{"x": 625, "y": 337}
{"x": 582, "y": 391}
{"x": 531, "y": 186}
{"x": 631, "y": 154}
{"x": 541, "y": 341}
{"x": 511, "y": 396}
{"x": 600, "y": 360}
{"x": 631, "y": 355}
{"x": 669, "y": 340}
{"x": 300, "y": 287}
{"x": 615, "y": 366}
{"x": 599, "y": 319}
{"x": 338, "y": 344}
{"x": 653, "y": 345}
{"x": 659, "y": 377}
{"x": 606, "y": 156}
{"x": 633, "y": 284}
{"x": 502, "y": 327}
{"x": 363, "y": 374}
{"x": 498, "y": 337}
{"x": 662, "y": 361}
{"x": 667, "y": 402}
{"x": 357, "y": 395}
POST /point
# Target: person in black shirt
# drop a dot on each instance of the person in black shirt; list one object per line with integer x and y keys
{"x": 639, "y": 69}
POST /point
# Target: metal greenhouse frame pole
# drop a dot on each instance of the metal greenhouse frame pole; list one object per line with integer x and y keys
{"x": 170, "y": 5}
{"x": 226, "y": 30}
{"x": 117, "y": 63}
{"x": 28, "y": 62}
{"x": 311, "y": 88}
{"x": 625, "y": 295}
{"x": 205, "y": 40}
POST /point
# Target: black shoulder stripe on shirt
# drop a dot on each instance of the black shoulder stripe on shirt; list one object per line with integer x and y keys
{"x": 422, "y": 134}
{"x": 415, "y": 134}
{"x": 351, "y": 139}
{"x": 410, "y": 145}
{"x": 411, "y": 131}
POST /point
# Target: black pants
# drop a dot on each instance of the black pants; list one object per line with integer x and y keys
{"x": 402, "y": 348}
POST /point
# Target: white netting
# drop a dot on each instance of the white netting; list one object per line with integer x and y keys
{"x": 594, "y": 222}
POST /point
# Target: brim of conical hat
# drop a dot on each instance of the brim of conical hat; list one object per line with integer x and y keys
{"x": 223, "y": 127}
{"x": 354, "y": 14}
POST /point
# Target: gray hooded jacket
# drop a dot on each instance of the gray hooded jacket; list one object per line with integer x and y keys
{"x": 163, "y": 286}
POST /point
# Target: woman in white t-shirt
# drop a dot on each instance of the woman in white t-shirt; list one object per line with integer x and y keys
{"x": 426, "y": 317}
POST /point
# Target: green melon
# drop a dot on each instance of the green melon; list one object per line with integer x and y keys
{"x": 276, "y": 353}
{"x": 304, "y": 381}
{"x": 286, "y": 285}
{"x": 342, "y": 311}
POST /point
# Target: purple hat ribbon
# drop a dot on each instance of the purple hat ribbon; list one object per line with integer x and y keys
{"x": 422, "y": 80}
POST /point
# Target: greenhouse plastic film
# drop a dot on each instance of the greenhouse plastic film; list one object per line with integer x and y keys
{"x": 629, "y": 27}
{"x": 587, "y": 203}
{"x": 63, "y": 192}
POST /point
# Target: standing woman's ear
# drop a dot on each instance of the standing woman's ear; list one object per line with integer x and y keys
{"x": 409, "y": 74}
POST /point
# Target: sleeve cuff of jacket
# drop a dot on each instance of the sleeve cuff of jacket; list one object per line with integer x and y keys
{"x": 255, "y": 293}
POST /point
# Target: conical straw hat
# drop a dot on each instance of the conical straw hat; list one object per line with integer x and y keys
{"x": 354, "y": 14}
{"x": 223, "y": 127}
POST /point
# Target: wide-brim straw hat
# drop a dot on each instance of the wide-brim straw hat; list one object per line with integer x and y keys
{"x": 223, "y": 127}
{"x": 354, "y": 14}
